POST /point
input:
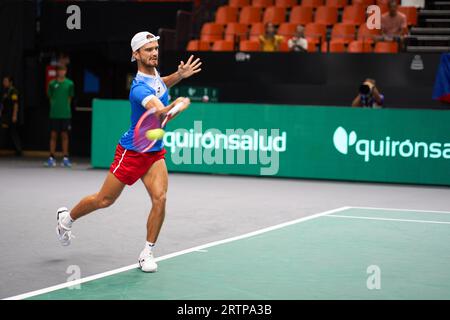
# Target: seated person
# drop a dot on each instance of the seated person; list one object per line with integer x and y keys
{"x": 298, "y": 42}
{"x": 393, "y": 23}
{"x": 269, "y": 41}
{"x": 368, "y": 96}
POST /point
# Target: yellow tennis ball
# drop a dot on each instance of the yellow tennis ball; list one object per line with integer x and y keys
{"x": 155, "y": 134}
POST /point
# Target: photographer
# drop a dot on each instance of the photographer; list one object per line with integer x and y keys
{"x": 368, "y": 96}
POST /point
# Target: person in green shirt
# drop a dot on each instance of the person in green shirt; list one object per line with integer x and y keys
{"x": 60, "y": 92}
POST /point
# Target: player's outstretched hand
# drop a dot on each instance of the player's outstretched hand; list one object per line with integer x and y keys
{"x": 185, "y": 70}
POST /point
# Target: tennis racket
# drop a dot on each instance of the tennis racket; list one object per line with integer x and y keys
{"x": 149, "y": 121}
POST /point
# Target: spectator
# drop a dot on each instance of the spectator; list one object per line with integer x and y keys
{"x": 60, "y": 92}
{"x": 9, "y": 112}
{"x": 64, "y": 59}
{"x": 393, "y": 24}
{"x": 368, "y": 95}
{"x": 298, "y": 42}
{"x": 269, "y": 41}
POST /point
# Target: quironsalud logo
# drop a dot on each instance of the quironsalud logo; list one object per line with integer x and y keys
{"x": 342, "y": 140}
{"x": 387, "y": 147}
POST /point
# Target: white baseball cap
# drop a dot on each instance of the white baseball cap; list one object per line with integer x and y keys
{"x": 140, "y": 39}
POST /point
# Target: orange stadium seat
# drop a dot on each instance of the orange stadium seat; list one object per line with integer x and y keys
{"x": 284, "y": 47}
{"x": 384, "y": 8}
{"x": 358, "y": 46}
{"x": 249, "y": 45}
{"x": 301, "y": 15}
{"x": 312, "y": 3}
{"x": 287, "y": 29}
{"x": 386, "y": 47}
{"x": 326, "y": 15}
{"x": 285, "y": 3}
{"x": 236, "y": 31}
{"x": 262, "y": 3}
{"x": 276, "y": 15}
{"x": 226, "y": 14}
{"x": 410, "y": 13}
{"x": 313, "y": 45}
{"x": 198, "y": 45}
{"x": 316, "y": 30}
{"x": 315, "y": 33}
{"x": 211, "y": 31}
{"x": 354, "y": 15}
{"x": 335, "y": 46}
{"x": 250, "y": 15}
{"x": 336, "y": 3}
{"x": 368, "y": 35}
{"x": 256, "y": 29}
{"x": 223, "y": 45}
{"x": 364, "y": 3}
{"x": 238, "y": 3}
{"x": 343, "y": 32}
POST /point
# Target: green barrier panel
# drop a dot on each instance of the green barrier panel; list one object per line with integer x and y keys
{"x": 110, "y": 119}
{"x": 383, "y": 145}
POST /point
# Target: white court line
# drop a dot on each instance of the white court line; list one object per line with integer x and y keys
{"x": 388, "y": 219}
{"x": 395, "y": 209}
{"x": 171, "y": 255}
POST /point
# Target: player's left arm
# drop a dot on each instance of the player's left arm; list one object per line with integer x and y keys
{"x": 185, "y": 70}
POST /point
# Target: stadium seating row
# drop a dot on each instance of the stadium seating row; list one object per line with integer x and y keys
{"x": 330, "y": 25}
{"x": 314, "y": 32}
{"x": 309, "y": 3}
{"x": 355, "y": 46}
{"x": 352, "y": 14}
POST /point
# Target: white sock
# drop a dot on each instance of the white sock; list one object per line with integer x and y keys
{"x": 148, "y": 247}
{"x": 67, "y": 221}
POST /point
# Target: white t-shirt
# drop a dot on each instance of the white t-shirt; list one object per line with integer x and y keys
{"x": 298, "y": 44}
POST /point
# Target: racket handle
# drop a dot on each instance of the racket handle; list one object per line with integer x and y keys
{"x": 171, "y": 113}
{"x": 175, "y": 109}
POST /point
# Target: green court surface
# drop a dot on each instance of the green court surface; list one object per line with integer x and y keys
{"x": 327, "y": 256}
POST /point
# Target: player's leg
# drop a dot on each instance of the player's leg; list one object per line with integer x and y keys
{"x": 109, "y": 192}
{"x": 53, "y": 138}
{"x": 65, "y": 148}
{"x": 16, "y": 139}
{"x": 156, "y": 183}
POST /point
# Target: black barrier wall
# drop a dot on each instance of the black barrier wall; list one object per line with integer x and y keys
{"x": 405, "y": 79}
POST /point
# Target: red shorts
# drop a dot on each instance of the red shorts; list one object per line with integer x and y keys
{"x": 129, "y": 166}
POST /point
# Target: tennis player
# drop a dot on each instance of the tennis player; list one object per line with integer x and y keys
{"x": 148, "y": 90}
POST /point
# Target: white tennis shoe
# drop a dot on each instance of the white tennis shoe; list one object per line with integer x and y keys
{"x": 64, "y": 233}
{"x": 147, "y": 262}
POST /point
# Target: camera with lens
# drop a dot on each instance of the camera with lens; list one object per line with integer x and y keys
{"x": 365, "y": 93}
{"x": 366, "y": 88}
